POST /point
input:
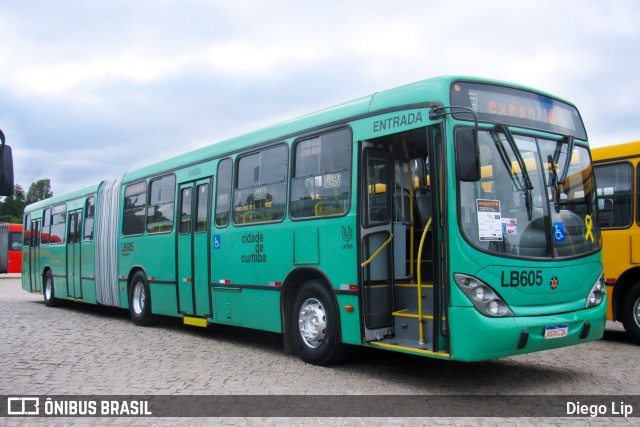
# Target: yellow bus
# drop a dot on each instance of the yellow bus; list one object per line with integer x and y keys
{"x": 617, "y": 175}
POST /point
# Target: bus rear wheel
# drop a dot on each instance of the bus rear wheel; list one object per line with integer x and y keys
{"x": 140, "y": 301}
{"x": 48, "y": 291}
{"x": 314, "y": 324}
{"x": 631, "y": 313}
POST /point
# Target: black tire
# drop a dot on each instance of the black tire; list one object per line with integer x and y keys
{"x": 140, "y": 300}
{"x": 315, "y": 327}
{"x": 631, "y": 312}
{"x": 48, "y": 290}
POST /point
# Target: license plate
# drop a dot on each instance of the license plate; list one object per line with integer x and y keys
{"x": 556, "y": 331}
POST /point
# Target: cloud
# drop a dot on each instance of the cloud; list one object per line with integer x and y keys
{"x": 91, "y": 89}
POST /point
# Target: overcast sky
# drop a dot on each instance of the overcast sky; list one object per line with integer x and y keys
{"x": 91, "y": 89}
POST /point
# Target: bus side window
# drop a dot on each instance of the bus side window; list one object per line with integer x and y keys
{"x": 26, "y": 233}
{"x": 46, "y": 226}
{"x": 223, "y": 192}
{"x": 90, "y": 211}
{"x": 58, "y": 224}
{"x": 186, "y": 198}
{"x": 73, "y": 228}
{"x": 15, "y": 241}
{"x": 135, "y": 201}
{"x": 202, "y": 207}
{"x": 261, "y": 186}
{"x": 162, "y": 193}
{"x": 321, "y": 182}
{"x": 615, "y": 198}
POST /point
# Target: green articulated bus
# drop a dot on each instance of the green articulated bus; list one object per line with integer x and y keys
{"x": 453, "y": 218}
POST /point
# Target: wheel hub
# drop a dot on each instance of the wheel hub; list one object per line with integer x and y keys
{"x": 138, "y": 298}
{"x": 48, "y": 289}
{"x": 312, "y": 321}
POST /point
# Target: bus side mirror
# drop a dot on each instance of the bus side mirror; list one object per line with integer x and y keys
{"x": 6, "y": 168}
{"x": 467, "y": 155}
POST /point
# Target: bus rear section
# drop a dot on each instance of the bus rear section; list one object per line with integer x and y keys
{"x": 616, "y": 169}
{"x": 10, "y": 248}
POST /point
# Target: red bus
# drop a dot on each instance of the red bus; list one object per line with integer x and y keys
{"x": 10, "y": 248}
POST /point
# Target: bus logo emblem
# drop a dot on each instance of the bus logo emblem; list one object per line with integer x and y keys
{"x": 554, "y": 283}
{"x": 347, "y": 233}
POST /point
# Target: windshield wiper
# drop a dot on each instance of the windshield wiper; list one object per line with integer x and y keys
{"x": 567, "y": 163}
{"x": 505, "y": 161}
{"x": 527, "y": 179}
{"x": 554, "y": 182}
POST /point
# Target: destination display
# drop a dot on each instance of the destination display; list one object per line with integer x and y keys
{"x": 499, "y": 104}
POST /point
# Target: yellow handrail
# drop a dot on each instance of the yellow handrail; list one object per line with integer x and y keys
{"x": 375, "y": 254}
{"x": 411, "y": 185}
{"x": 420, "y": 325}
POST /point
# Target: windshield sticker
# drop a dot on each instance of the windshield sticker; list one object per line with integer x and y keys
{"x": 588, "y": 222}
{"x": 509, "y": 226}
{"x": 559, "y": 234}
{"x": 489, "y": 220}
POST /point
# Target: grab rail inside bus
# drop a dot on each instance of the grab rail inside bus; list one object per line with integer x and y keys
{"x": 375, "y": 254}
{"x": 420, "y": 324}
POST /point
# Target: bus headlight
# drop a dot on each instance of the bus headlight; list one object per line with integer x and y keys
{"x": 484, "y": 299}
{"x": 596, "y": 295}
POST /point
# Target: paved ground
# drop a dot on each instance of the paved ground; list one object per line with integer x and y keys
{"x": 86, "y": 350}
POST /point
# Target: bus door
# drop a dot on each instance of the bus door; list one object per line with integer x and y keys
{"x": 26, "y": 254}
{"x": 34, "y": 256}
{"x": 74, "y": 278}
{"x": 193, "y": 248}
{"x": 377, "y": 237}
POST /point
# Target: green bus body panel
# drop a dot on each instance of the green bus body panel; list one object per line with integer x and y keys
{"x": 390, "y": 123}
{"x": 163, "y": 298}
{"x": 55, "y": 256}
{"x": 201, "y": 277}
{"x": 88, "y": 270}
{"x": 262, "y": 256}
{"x": 350, "y": 322}
{"x": 476, "y": 337}
{"x": 186, "y": 281}
{"x": 155, "y": 254}
{"x": 573, "y": 283}
{"x": 251, "y": 308}
{"x": 306, "y": 244}
{"x": 243, "y": 260}
{"x": 229, "y": 305}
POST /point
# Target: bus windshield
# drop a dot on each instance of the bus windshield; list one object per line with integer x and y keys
{"x": 532, "y": 200}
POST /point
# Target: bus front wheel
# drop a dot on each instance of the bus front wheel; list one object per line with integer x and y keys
{"x": 48, "y": 292}
{"x": 314, "y": 325}
{"x": 140, "y": 300}
{"x": 631, "y": 313}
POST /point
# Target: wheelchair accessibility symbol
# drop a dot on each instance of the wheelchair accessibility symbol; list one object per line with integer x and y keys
{"x": 216, "y": 241}
{"x": 559, "y": 234}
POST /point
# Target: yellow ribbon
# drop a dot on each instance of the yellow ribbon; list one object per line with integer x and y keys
{"x": 589, "y": 224}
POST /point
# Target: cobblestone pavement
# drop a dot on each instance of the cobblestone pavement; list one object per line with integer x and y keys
{"x": 88, "y": 350}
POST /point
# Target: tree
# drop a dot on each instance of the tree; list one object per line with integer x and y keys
{"x": 12, "y": 207}
{"x": 39, "y": 190}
